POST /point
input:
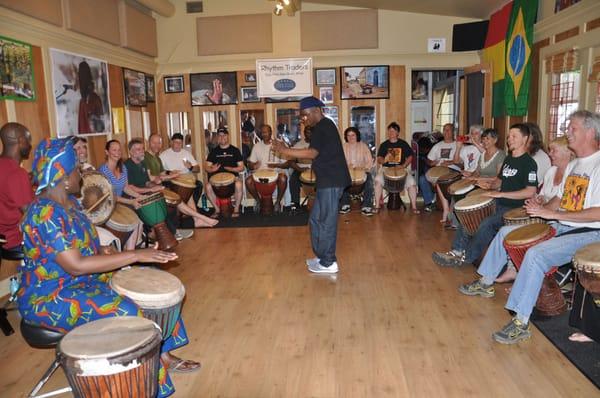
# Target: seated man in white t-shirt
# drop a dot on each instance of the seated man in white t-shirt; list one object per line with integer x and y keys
{"x": 442, "y": 154}
{"x": 177, "y": 158}
{"x": 262, "y": 158}
{"x": 467, "y": 156}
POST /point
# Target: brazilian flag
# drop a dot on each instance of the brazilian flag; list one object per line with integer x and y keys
{"x": 519, "y": 45}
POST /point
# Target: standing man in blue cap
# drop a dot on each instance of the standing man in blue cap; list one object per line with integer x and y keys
{"x": 329, "y": 165}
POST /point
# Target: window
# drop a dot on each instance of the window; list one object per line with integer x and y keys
{"x": 564, "y": 100}
{"x": 443, "y": 107}
{"x": 177, "y": 122}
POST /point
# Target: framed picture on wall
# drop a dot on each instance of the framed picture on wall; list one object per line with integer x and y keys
{"x": 16, "y": 70}
{"x": 150, "y": 90}
{"x": 249, "y": 94}
{"x": 419, "y": 85}
{"x": 365, "y": 82}
{"x": 174, "y": 84}
{"x": 250, "y": 77}
{"x": 134, "y": 83}
{"x": 213, "y": 88}
{"x": 326, "y": 94}
{"x": 325, "y": 77}
{"x": 332, "y": 113}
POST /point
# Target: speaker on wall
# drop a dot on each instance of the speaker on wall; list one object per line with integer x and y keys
{"x": 469, "y": 36}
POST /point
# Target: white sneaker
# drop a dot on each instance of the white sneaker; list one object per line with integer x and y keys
{"x": 319, "y": 269}
{"x": 345, "y": 209}
{"x": 184, "y": 234}
{"x": 311, "y": 262}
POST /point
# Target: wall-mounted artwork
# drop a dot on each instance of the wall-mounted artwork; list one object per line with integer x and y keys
{"x": 81, "y": 94}
{"x": 288, "y": 125}
{"x": 213, "y": 88}
{"x": 173, "y": 84}
{"x": 134, "y": 83}
{"x": 332, "y": 113}
{"x": 16, "y": 70}
{"x": 249, "y": 94}
{"x": 325, "y": 77}
{"x": 420, "y": 85}
{"x": 150, "y": 89}
{"x": 364, "y": 119}
{"x": 365, "y": 82}
{"x": 326, "y": 94}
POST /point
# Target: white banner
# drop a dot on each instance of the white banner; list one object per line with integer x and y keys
{"x": 288, "y": 77}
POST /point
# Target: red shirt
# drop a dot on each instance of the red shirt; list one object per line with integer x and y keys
{"x": 15, "y": 193}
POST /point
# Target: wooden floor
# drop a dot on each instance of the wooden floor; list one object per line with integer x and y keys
{"x": 390, "y": 324}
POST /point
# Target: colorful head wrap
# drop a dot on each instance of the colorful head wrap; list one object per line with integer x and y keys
{"x": 54, "y": 160}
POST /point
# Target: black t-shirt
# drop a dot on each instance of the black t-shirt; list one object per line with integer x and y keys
{"x": 229, "y": 157}
{"x": 516, "y": 174}
{"x": 400, "y": 150}
{"x": 330, "y": 165}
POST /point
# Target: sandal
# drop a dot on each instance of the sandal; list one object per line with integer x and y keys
{"x": 183, "y": 366}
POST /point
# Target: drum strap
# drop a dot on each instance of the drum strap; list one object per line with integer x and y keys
{"x": 581, "y": 230}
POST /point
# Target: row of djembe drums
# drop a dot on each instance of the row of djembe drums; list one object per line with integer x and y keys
{"x": 119, "y": 356}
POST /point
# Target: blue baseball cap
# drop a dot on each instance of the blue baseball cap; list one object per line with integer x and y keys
{"x": 311, "y": 102}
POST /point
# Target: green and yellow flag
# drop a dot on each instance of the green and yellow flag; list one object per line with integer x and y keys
{"x": 519, "y": 45}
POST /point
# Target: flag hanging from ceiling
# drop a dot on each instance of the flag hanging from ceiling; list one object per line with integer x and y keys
{"x": 519, "y": 46}
{"x": 494, "y": 55}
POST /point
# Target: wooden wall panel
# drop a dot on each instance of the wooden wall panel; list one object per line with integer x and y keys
{"x": 34, "y": 115}
{"x": 221, "y": 35}
{"x": 47, "y": 10}
{"x": 566, "y": 34}
{"x": 96, "y": 155}
{"x": 151, "y": 108}
{"x": 3, "y": 115}
{"x": 174, "y": 102}
{"x": 534, "y": 99}
{"x": 395, "y": 106}
{"x": 94, "y": 19}
{"x": 138, "y": 30}
{"x": 593, "y": 24}
{"x": 337, "y": 30}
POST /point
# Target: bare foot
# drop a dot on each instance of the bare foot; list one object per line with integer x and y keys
{"x": 203, "y": 221}
{"x": 508, "y": 276}
{"x": 580, "y": 338}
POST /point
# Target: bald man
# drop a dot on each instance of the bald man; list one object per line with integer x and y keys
{"x": 16, "y": 192}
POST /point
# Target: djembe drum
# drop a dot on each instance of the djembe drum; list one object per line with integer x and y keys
{"x": 184, "y": 185}
{"x": 550, "y": 301}
{"x": 477, "y": 192}
{"x": 97, "y": 197}
{"x": 394, "y": 181}
{"x": 434, "y": 173}
{"x": 308, "y": 180}
{"x": 223, "y": 185}
{"x": 587, "y": 264}
{"x": 265, "y": 181}
{"x": 446, "y": 180}
{"x": 172, "y": 198}
{"x": 159, "y": 294}
{"x": 459, "y": 189}
{"x": 112, "y": 357}
{"x": 519, "y": 216}
{"x": 122, "y": 222}
{"x": 472, "y": 210}
{"x": 153, "y": 212}
{"x": 358, "y": 177}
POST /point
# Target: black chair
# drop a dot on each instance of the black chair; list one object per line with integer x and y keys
{"x": 40, "y": 337}
{"x": 11, "y": 255}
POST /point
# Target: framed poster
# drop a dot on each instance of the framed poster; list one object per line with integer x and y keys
{"x": 81, "y": 94}
{"x": 288, "y": 77}
{"x": 150, "y": 89}
{"x": 213, "y": 88}
{"x": 16, "y": 70}
{"x": 365, "y": 82}
{"x": 420, "y": 85}
{"x": 174, "y": 84}
{"x": 134, "y": 83}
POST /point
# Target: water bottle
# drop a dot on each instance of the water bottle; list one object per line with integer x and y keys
{"x": 204, "y": 202}
{"x": 13, "y": 286}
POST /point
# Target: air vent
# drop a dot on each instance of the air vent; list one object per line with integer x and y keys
{"x": 193, "y": 7}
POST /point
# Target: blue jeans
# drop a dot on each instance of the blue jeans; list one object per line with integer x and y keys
{"x": 367, "y": 193}
{"x": 323, "y": 224}
{"x": 475, "y": 245}
{"x": 426, "y": 191}
{"x": 539, "y": 260}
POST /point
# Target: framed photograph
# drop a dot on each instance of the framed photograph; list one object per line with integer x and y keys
{"x": 325, "y": 77}
{"x": 81, "y": 94}
{"x": 134, "y": 83}
{"x": 213, "y": 88}
{"x": 419, "y": 85}
{"x": 249, "y": 94}
{"x": 150, "y": 90}
{"x": 16, "y": 70}
{"x": 364, "y": 119}
{"x": 332, "y": 113}
{"x": 250, "y": 77}
{"x": 174, "y": 84}
{"x": 365, "y": 82}
{"x": 288, "y": 125}
{"x": 326, "y": 94}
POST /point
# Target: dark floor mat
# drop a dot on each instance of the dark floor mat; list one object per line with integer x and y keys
{"x": 249, "y": 219}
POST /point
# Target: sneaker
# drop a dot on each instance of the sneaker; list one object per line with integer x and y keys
{"x": 428, "y": 208}
{"x": 512, "y": 332}
{"x": 367, "y": 211}
{"x": 181, "y": 234}
{"x": 476, "y": 288}
{"x": 448, "y": 259}
{"x": 319, "y": 269}
{"x": 345, "y": 209}
{"x": 312, "y": 262}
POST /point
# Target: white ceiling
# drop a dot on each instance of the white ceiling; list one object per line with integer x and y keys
{"x": 480, "y": 9}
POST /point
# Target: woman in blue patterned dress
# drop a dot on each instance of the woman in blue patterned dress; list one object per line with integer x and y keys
{"x": 65, "y": 275}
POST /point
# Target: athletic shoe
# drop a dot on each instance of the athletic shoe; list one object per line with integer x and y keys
{"x": 476, "y": 288}
{"x": 311, "y": 262}
{"x": 448, "y": 259}
{"x": 319, "y": 269}
{"x": 367, "y": 211}
{"x": 428, "y": 208}
{"x": 512, "y": 332}
{"x": 345, "y": 209}
{"x": 181, "y": 234}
